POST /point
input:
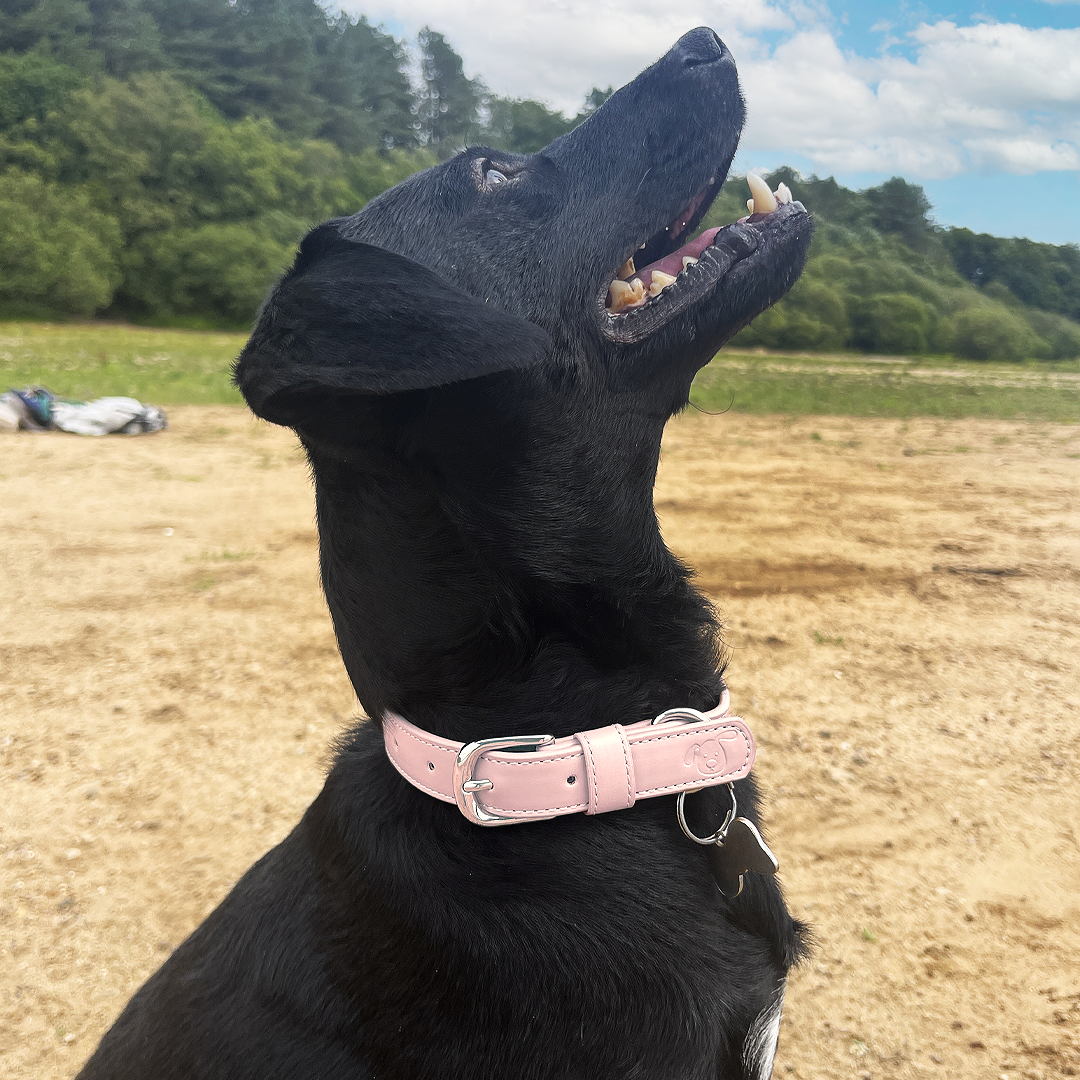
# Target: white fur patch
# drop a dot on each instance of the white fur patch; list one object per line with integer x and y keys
{"x": 759, "y": 1049}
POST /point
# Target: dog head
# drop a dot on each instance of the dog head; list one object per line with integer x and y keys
{"x": 484, "y": 423}
{"x": 495, "y": 261}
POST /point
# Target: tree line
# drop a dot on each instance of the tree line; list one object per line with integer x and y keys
{"x": 882, "y": 277}
{"x": 316, "y": 75}
{"x": 159, "y": 160}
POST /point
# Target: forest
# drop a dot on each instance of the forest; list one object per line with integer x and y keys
{"x": 160, "y": 159}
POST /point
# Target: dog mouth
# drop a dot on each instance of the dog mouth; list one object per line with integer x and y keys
{"x": 663, "y": 277}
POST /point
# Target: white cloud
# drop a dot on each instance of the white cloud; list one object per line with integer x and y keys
{"x": 556, "y": 51}
{"x": 991, "y": 96}
{"x": 995, "y": 96}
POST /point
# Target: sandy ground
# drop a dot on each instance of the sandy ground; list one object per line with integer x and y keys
{"x": 901, "y": 602}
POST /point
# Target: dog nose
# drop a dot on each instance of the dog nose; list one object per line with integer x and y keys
{"x": 700, "y": 46}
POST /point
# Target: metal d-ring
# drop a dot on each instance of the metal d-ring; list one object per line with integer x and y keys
{"x": 717, "y": 837}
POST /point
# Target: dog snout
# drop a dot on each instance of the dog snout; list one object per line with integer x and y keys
{"x": 700, "y": 46}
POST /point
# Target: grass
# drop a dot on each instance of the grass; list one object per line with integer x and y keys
{"x": 850, "y": 385}
{"x": 190, "y": 367}
{"x": 89, "y": 360}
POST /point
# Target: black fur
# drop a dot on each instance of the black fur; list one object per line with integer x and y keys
{"x": 484, "y": 450}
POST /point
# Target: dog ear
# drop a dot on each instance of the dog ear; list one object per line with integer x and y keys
{"x": 353, "y": 318}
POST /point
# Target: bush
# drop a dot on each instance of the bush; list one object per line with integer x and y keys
{"x": 166, "y": 209}
{"x": 813, "y": 316}
{"x": 1060, "y": 334}
{"x": 219, "y": 271}
{"x": 993, "y": 332}
{"x": 892, "y": 323}
{"x": 57, "y": 251}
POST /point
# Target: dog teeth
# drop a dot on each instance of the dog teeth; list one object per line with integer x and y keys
{"x": 628, "y": 270}
{"x": 763, "y": 201}
{"x": 687, "y": 261}
{"x": 660, "y": 281}
{"x": 783, "y": 194}
{"x": 624, "y": 294}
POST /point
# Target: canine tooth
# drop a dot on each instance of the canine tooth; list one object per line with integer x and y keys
{"x": 688, "y": 261}
{"x": 764, "y": 202}
{"x": 660, "y": 281}
{"x": 619, "y": 295}
{"x": 783, "y": 194}
{"x": 622, "y": 294}
{"x": 628, "y": 269}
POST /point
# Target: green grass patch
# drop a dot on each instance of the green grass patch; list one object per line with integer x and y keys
{"x": 91, "y": 360}
{"x": 851, "y": 386}
{"x": 191, "y": 367}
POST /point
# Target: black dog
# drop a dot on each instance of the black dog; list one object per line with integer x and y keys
{"x": 483, "y": 411}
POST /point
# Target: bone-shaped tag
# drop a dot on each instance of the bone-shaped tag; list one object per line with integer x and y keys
{"x": 742, "y": 850}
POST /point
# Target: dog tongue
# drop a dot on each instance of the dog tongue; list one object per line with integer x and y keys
{"x": 673, "y": 264}
{"x": 633, "y": 287}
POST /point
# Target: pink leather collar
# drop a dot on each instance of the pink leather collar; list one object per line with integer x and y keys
{"x": 592, "y": 772}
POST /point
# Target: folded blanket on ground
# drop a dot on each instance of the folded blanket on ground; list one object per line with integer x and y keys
{"x": 37, "y": 409}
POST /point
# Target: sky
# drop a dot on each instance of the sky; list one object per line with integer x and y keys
{"x": 978, "y": 102}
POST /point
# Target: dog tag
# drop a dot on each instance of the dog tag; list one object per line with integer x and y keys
{"x": 742, "y": 850}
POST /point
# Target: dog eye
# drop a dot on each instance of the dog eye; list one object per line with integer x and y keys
{"x": 493, "y": 177}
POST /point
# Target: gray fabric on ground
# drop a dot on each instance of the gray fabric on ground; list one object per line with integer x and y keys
{"x": 11, "y": 410}
{"x": 107, "y": 416}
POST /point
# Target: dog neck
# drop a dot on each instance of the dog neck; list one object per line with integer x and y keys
{"x": 507, "y": 573}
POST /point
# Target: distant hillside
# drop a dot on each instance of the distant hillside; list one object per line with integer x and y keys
{"x": 883, "y": 278}
{"x": 160, "y": 159}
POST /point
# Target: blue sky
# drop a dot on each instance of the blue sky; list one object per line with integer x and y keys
{"x": 978, "y": 102}
{"x": 866, "y": 28}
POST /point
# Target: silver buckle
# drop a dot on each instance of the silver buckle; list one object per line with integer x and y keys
{"x": 692, "y": 716}
{"x": 465, "y": 787}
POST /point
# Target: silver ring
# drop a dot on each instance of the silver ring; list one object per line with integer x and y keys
{"x": 718, "y": 836}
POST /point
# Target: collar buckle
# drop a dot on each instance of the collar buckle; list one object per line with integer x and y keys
{"x": 465, "y": 787}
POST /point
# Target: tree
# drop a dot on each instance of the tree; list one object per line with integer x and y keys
{"x": 1042, "y": 275}
{"x": 32, "y": 86}
{"x": 126, "y": 36}
{"x": 362, "y": 78}
{"x": 58, "y": 251}
{"x": 56, "y": 28}
{"x": 448, "y": 104}
{"x": 892, "y": 323}
{"x": 593, "y": 100}
{"x": 523, "y": 126}
{"x": 901, "y": 209}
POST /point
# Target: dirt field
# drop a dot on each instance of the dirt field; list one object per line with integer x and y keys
{"x": 902, "y": 602}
